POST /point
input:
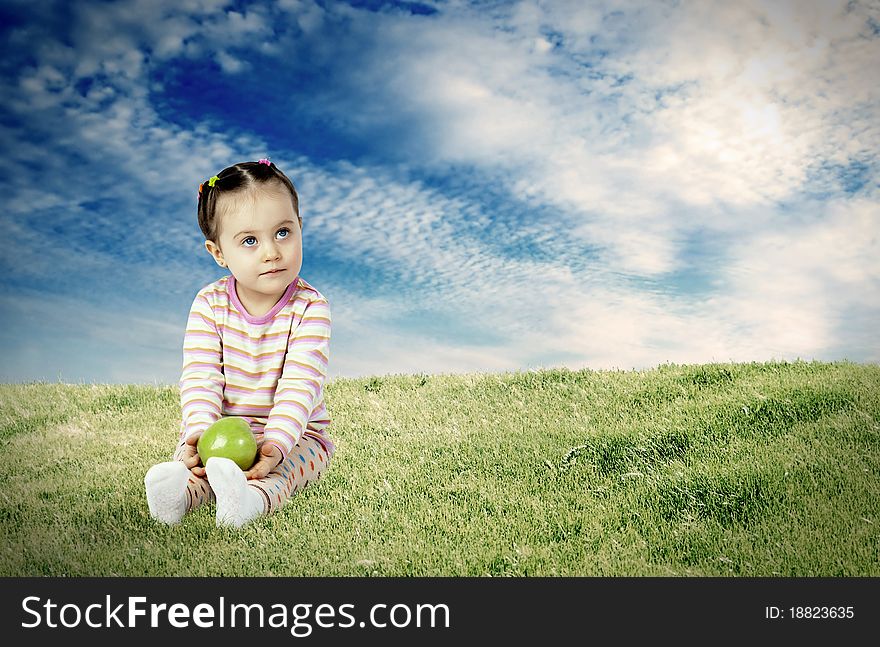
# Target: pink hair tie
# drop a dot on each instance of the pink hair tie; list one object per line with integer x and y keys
{"x": 265, "y": 161}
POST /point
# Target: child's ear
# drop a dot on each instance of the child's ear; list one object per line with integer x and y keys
{"x": 214, "y": 250}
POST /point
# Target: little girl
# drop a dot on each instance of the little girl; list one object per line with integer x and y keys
{"x": 256, "y": 346}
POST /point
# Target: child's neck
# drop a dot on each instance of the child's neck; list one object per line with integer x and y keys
{"x": 254, "y": 303}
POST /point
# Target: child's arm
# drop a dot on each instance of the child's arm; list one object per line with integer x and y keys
{"x": 299, "y": 388}
{"x": 202, "y": 380}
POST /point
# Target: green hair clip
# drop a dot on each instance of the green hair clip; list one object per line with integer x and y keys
{"x": 212, "y": 180}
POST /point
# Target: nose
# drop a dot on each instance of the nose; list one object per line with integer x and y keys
{"x": 271, "y": 252}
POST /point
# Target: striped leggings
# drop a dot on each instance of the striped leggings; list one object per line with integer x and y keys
{"x": 304, "y": 465}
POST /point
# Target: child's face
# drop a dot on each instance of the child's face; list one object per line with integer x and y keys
{"x": 260, "y": 241}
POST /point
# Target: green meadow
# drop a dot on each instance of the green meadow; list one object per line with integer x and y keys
{"x": 761, "y": 469}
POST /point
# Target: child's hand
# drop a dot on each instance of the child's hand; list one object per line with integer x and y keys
{"x": 268, "y": 459}
{"x": 191, "y": 455}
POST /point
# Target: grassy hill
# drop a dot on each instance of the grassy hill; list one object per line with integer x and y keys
{"x": 709, "y": 470}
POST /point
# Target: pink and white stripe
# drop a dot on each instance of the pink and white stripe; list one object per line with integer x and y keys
{"x": 270, "y": 369}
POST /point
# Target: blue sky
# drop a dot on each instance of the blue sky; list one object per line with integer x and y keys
{"x": 484, "y": 186}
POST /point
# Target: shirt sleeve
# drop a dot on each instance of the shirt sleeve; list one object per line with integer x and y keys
{"x": 301, "y": 385}
{"x": 202, "y": 381}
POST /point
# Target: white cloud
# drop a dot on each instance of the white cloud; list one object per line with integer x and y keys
{"x": 708, "y": 105}
{"x": 792, "y": 286}
{"x": 783, "y": 295}
{"x": 366, "y": 343}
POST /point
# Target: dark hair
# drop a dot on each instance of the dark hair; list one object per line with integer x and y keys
{"x": 238, "y": 177}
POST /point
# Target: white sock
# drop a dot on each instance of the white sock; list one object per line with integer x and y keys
{"x": 166, "y": 491}
{"x": 237, "y": 504}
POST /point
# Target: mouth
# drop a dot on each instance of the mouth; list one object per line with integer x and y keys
{"x": 271, "y": 272}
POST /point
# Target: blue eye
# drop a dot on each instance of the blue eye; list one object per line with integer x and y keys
{"x": 250, "y": 241}
{"x": 283, "y": 230}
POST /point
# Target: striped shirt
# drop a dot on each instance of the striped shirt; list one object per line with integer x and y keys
{"x": 269, "y": 370}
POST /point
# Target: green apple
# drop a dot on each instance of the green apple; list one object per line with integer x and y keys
{"x": 229, "y": 438}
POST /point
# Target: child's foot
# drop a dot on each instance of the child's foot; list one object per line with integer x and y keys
{"x": 237, "y": 504}
{"x": 166, "y": 491}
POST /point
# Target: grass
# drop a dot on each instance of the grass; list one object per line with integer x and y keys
{"x": 762, "y": 469}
